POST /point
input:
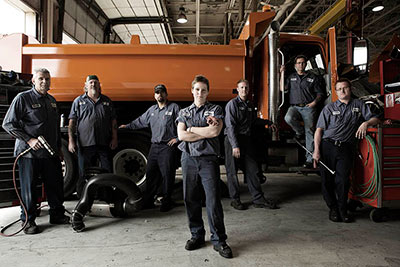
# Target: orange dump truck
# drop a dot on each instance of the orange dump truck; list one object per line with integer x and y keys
{"x": 129, "y": 72}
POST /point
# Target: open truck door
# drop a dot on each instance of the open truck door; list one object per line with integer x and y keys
{"x": 331, "y": 54}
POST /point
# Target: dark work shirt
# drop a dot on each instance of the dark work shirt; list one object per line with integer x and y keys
{"x": 161, "y": 122}
{"x": 93, "y": 119}
{"x": 304, "y": 89}
{"x": 32, "y": 115}
{"x": 340, "y": 121}
{"x": 193, "y": 116}
{"x": 240, "y": 117}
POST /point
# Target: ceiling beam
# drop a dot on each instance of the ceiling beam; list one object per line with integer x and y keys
{"x": 137, "y": 20}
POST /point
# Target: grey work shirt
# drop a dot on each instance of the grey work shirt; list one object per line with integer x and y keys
{"x": 240, "y": 117}
{"x": 340, "y": 121}
{"x": 303, "y": 90}
{"x": 93, "y": 119}
{"x": 161, "y": 122}
{"x": 193, "y": 116}
{"x": 32, "y": 115}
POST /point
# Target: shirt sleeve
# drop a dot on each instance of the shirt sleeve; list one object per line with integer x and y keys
{"x": 73, "y": 114}
{"x": 230, "y": 123}
{"x": 181, "y": 117}
{"x": 11, "y": 122}
{"x": 141, "y": 122}
{"x": 366, "y": 112}
{"x": 323, "y": 120}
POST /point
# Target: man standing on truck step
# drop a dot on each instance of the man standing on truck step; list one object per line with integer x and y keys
{"x": 92, "y": 118}
{"x": 33, "y": 114}
{"x": 198, "y": 128}
{"x": 161, "y": 161}
{"x": 338, "y": 126}
{"x": 305, "y": 92}
{"x": 240, "y": 119}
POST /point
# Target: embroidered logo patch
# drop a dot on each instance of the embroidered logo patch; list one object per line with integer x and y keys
{"x": 106, "y": 103}
{"x": 310, "y": 80}
{"x": 168, "y": 113}
{"x": 36, "y": 105}
{"x": 335, "y": 112}
{"x": 82, "y": 103}
{"x": 54, "y": 105}
{"x": 356, "y": 110}
{"x": 208, "y": 113}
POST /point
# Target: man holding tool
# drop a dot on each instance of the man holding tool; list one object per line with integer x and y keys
{"x": 339, "y": 124}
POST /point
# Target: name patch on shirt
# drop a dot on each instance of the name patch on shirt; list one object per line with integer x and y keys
{"x": 242, "y": 108}
{"x": 82, "y": 103}
{"x": 310, "y": 80}
{"x": 208, "y": 113}
{"x": 54, "y": 105}
{"x": 36, "y": 105}
{"x": 335, "y": 112}
{"x": 106, "y": 103}
{"x": 293, "y": 79}
{"x": 168, "y": 113}
{"x": 356, "y": 110}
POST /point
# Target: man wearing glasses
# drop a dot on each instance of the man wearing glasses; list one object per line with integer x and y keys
{"x": 305, "y": 92}
{"x": 338, "y": 126}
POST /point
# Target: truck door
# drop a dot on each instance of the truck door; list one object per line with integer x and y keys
{"x": 332, "y": 59}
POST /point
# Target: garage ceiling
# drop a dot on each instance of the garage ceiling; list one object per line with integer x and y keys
{"x": 156, "y": 20}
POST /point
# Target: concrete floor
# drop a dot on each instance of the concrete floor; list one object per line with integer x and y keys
{"x": 298, "y": 234}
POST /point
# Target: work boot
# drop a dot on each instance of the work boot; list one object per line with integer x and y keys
{"x": 224, "y": 250}
{"x": 238, "y": 205}
{"x": 194, "y": 243}
{"x": 268, "y": 203}
{"x": 31, "y": 228}
{"x": 166, "y": 205}
{"x": 346, "y": 218}
{"x": 63, "y": 219}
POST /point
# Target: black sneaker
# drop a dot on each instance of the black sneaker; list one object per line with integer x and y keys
{"x": 346, "y": 218}
{"x": 194, "y": 243}
{"x": 31, "y": 228}
{"x": 64, "y": 219}
{"x": 236, "y": 204}
{"x": 224, "y": 250}
{"x": 269, "y": 203}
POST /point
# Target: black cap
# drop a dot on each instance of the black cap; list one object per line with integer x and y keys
{"x": 160, "y": 88}
{"x": 92, "y": 77}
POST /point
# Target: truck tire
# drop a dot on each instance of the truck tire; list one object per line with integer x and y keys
{"x": 131, "y": 160}
{"x": 69, "y": 170}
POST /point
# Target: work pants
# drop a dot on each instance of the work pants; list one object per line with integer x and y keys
{"x": 88, "y": 156}
{"x": 335, "y": 187}
{"x": 249, "y": 166}
{"x": 161, "y": 169}
{"x": 308, "y": 115}
{"x": 197, "y": 172}
{"x": 33, "y": 171}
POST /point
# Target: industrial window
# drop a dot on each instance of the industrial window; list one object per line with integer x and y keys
{"x": 15, "y": 17}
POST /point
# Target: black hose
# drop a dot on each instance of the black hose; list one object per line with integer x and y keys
{"x": 131, "y": 204}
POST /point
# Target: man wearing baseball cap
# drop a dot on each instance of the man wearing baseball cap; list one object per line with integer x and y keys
{"x": 93, "y": 120}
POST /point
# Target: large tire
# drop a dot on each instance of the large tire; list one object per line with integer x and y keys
{"x": 131, "y": 159}
{"x": 69, "y": 169}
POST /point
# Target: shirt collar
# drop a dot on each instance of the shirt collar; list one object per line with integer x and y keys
{"x": 37, "y": 94}
{"x": 339, "y": 103}
{"x": 193, "y": 106}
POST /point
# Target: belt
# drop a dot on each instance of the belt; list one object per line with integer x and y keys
{"x": 338, "y": 143}
{"x": 299, "y": 105}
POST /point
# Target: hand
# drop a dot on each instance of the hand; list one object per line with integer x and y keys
{"x": 312, "y": 104}
{"x": 172, "y": 142}
{"x": 362, "y": 130}
{"x": 283, "y": 68}
{"x": 211, "y": 120}
{"x": 71, "y": 146}
{"x": 123, "y": 126}
{"x": 316, "y": 158}
{"x": 113, "y": 143}
{"x": 236, "y": 152}
{"x": 35, "y": 144}
{"x": 273, "y": 127}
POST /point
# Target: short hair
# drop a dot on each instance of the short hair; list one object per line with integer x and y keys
{"x": 201, "y": 79}
{"x": 343, "y": 80}
{"x": 243, "y": 81}
{"x": 40, "y": 70}
{"x": 300, "y": 56}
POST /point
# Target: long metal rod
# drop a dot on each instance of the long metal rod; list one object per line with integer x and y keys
{"x": 292, "y": 13}
{"x": 197, "y": 21}
{"x": 309, "y": 152}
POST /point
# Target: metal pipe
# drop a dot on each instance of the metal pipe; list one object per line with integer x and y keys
{"x": 165, "y": 11}
{"x": 282, "y": 82}
{"x": 273, "y": 95}
{"x": 241, "y": 10}
{"x": 197, "y": 20}
{"x": 292, "y": 13}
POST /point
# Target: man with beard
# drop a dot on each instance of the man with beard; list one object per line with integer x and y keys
{"x": 93, "y": 120}
{"x": 161, "y": 161}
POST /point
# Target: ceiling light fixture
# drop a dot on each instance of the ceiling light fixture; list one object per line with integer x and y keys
{"x": 377, "y": 6}
{"x": 182, "y": 17}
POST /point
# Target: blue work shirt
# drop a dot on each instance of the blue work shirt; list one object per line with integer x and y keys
{"x": 193, "y": 116}
{"x": 93, "y": 119}
{"x": 160, "y": 121}
{"x": 304, "y": 89}
{"x": 340, "y": 121}
{"x": 31, "y": 115}
{"x": 240, "y": 117}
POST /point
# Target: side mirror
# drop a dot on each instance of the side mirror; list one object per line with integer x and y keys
{"x": 360, "y": 56}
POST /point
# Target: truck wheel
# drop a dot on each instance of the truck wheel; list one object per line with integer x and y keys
{"x": 131, "y": 162}
{"x": 69, "y": 170}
